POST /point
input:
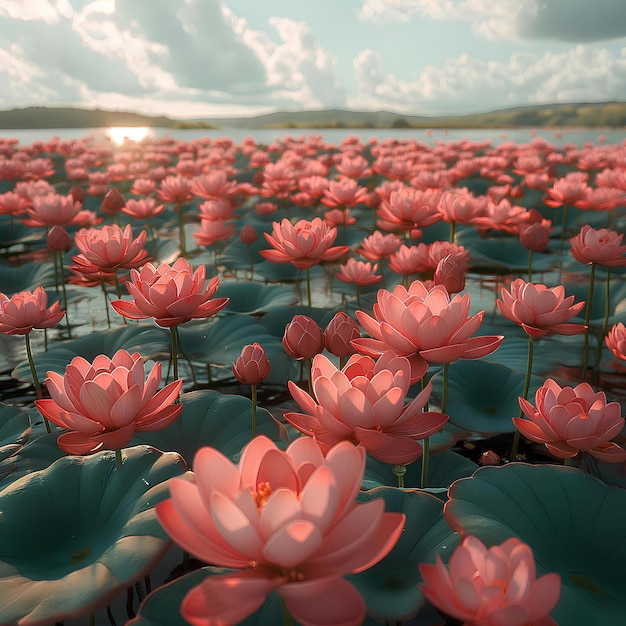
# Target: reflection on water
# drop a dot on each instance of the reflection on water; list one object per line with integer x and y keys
{"x": 119, "y": 134}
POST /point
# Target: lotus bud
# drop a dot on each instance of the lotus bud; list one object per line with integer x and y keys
{"x": 450, "y": 274}
{"x": 303, "y": 338}
{"x": 113, "y": 202}
{"x": 535, "y": 236}
{"x": 252, "y": 366}
{"x": 248, "y": 234}
{"x": 341, "y": 330}
{"x": 59, "y": 239}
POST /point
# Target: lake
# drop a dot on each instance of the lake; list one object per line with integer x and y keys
{"x": 559, "y": 137}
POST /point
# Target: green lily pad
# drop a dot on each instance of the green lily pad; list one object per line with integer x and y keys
{"x": 210, "y": 418}
{"x": 570, "y": 520}
{"x": 390, "y": 587}
{"x": 147, "y": 339}
{"x": 26, "y": 277}
{"x": 443, "y": 470}
{"x": 36, "y": 455}
{"x": 253, "y": 298}
{"x": 14, "y": 430}
{"x": 276, "y": 320}
{"x": 483, "y": 396}
{"x": 162, "y": 606}
{"x": 507, "y": 254}
{"x": 94, "y": 515}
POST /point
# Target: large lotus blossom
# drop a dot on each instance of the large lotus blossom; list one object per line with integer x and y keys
{"x": 409, "y": 208}
{"x": 495, "y": 586}
{"x": 288, "y": 520}
{"x": 171, "y": 295}
{"x": 304, "y": 243}
{"x": 364, "y": 402}
{"x": 424, "y": 324}
{"x": 603, "y": 247}
{"x": 572, "y": 419}
{"x": 540, "y": 310}
{"x": 104, "y": 403}
{"x": 108, "y": 249}
{"x": 24, "y": 311}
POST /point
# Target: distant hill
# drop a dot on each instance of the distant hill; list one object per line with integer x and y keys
{"x": 69, "y": 117}
{"x": 586, "y": 115}
{"x": 605, "y": 114}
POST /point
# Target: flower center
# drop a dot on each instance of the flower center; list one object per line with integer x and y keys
{"x": 262, "y": 493}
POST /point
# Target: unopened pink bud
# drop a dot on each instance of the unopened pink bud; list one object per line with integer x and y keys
{"x": 535, "y": 236}
{"x": 59, "y": 239}
{"x": 113, "y": 202}
{"x": 248, "y": 234}
{"x": 252, "y": 366}
{"x": 341, "y": 330}
{"x": 450, "y": 274}
{"x": 490, "y": 458}
{"x": 303, "y": 338}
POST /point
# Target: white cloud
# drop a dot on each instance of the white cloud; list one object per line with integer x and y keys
{"x": 584, "y": 73}
{"x": 557, "y": 20}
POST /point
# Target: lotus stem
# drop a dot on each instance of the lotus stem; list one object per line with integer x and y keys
{"x": 529, "y": 369}
{"x": 358, "y": 295}
{"x": 567, "y": 461}
{"x": 564, "y": 226}
{"x": 250, "y": 261}
{"x": 55, "y": 258}
{"x": 154, "y": 239}
{"x": 308, "y": 286}
{"x": 444, "y": 387}
{"x": 106, "y": 305}
{"x": 92, "y": 619}
{"x": 67, "y": 319}
{"x": 605, "y": 321}
{"x": 287, "y": 619}
{"x": 399, "y": 471}
{"x": 452, "y": 231}
{"x": 118, "y": 458}
{"x": 254, "y": 404}
{"x": 530, "y": 265}
{"x": 141, "y": 594}
{"x": 33, "y": 372}
{"x": 592, "y": 275}
{"x": 174, "y": 349}
{"x": 118, "y": 289}
{"x": 181, "y": 229}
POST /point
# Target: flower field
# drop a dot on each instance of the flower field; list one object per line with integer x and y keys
{"x": 312, "y": 383}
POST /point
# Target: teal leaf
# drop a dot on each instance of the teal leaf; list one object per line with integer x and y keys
{"x": 73, "y": 525}
{"x": 162, "y": 606}
{"x": 483, "y": 396}
{"x": 146, "y": 339}
{"x": 210, "y": 418}
{"x": 390, "y": 587}
{"x": 570, "y": 520}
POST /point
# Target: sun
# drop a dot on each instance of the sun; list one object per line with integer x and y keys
{"x": 120, "y": 134}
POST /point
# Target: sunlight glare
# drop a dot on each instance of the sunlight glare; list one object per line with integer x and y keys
{"x": 119, "y": 134}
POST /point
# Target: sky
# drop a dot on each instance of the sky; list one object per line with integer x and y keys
{"x": 228, "y": 58}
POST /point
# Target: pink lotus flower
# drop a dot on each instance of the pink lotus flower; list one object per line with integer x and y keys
{"x": 143, "y": 209}
{"x": 108, "y": 249}
{"x": 378, "y": 246}
{"x": 424, "y": 325}
{"x": 171, "y": 295}
{"x": 288, "y": 520}
{"x": 616, "y": 341}
{"x": 344, "y": 193}
{"x": 304, "y": 243}
{"x": 494, "y": 586}
{"x": 105, "y": 402}
{"x": 603, "y": 247}
{"x": 252, "y": 366}
{"x": 409, "y": 208}
{"x": 364, "y": 403}
{"x": 540, "y": 310}
{"x": 358, "y": 273}
{"x": 175, "y": 189}
{"x": 24, "y": 311}
{"x": 572, "y": 419}
{"x": 209, "y": 232}
{"x": 53, "y": 209}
